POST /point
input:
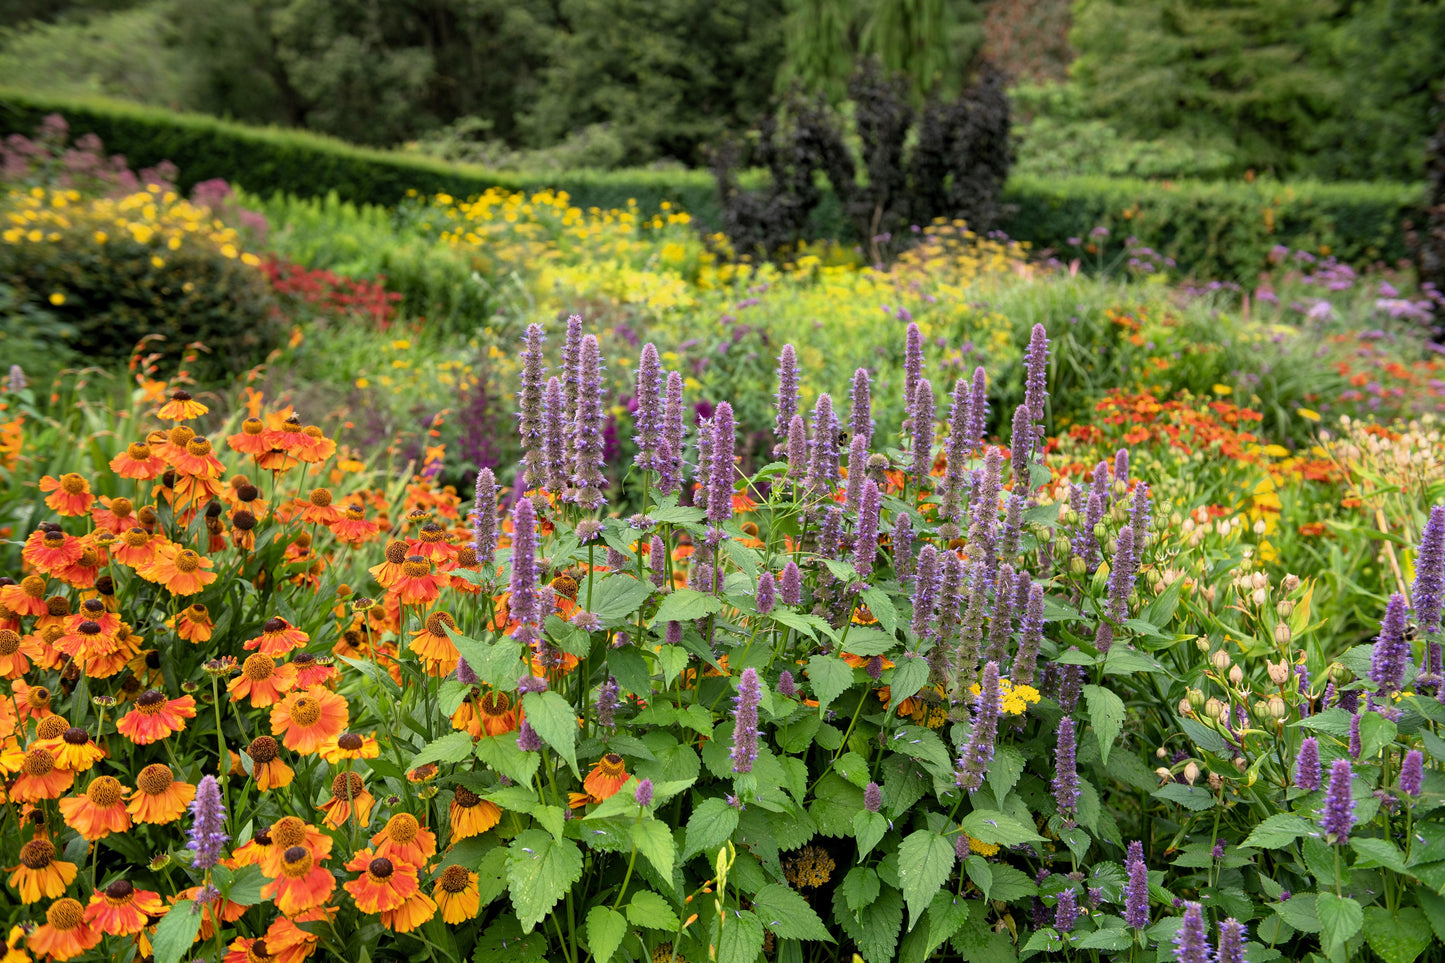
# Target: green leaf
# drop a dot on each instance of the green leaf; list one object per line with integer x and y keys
{"x": 1115, "y": 940}
{"x": 672, "y": 659}
{"x": 1010, "y": 883}
{"x": 1278, "y": 830}
{"x": 990, "y": 826}
{"x": 883, "y": 609}
{"x": 1377, "y": 852}
{"x": 501, "y": 754}
{"x": 1340, "y": 919}
{"x": 925, "y": 746}
{"x": 631, "y": 672}
{"x": 910, "y": 674}
{"x": 504, "y": 942}
{"x": 1106, "y": 712}
{"x": 1300, "y": 912}
{"x": 809, "y": 625}
{"x": 859, "y": 887}
{"x": 540, "y": 870}
{"x": 788, "y": 915}
{"x": 684, "y": 605}
{"x": 553, "y": 719}
{"x": 654, "y": 840}
{"x": 176, "y": 932}
{"x": 868, "y": 829}
{"x": 246, "y": 884}
{"x": 835, "y": 802}
{"x": 830, "y": 676}
{"x": 869, "y": 641}
{"x": 1434, "y": 906}
{"x": 651, "y": 911}
{"x": 605, "y": 931}
{"x": 741, "y": 938}
{"x": 1203, "y": 737}
{"x": 980, "y": 872}
{"x": 452, "y": 747}
{"x": 925, "y": 860}
{"x": 874, "y": 927}
{"x": 1004, "y": 771}
{"x": 1397, "y": 938}
{"x": 616, "y": 598}
{"x": 1376, "y": 732}
{"x": 1042, "y": 941}
{"x": 1196, "y": 798}
{"x": 945, "y": 915}
{"x": 712, "y": 823}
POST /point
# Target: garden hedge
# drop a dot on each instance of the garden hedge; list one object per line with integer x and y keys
{"x": 1222, "y": 230}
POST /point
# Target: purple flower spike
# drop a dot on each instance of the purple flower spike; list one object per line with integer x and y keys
{"x": 527, "y": 738}
{"x": 925, "y": 593}
{"x": 642, "y": 795}
{"x": 649, "y": 408}
{"x": 912, "y": 376}
{"x": 767, "y": 593}
{"x": 920, "y": 419}
{"x": 797, "y": 449}
{"x": 1066, "y": 776}
{"x": 1036, "y": 368}
{"x": 973, "y": 762}
{"x": 1135, "y": 851}
{"x": 720, "y": 477}
{"x": 790, "y": 585}
{"x": 1307, "y": 765}
{"x": 745, "y": 721}
{"x": 208, "y": 824}
{"x": 1122, "y": 573}
{"x": 901, "y": 548}
{"x": 588, "y": 425}
{"x": 956, "y": 450}
{"x": 1391, "y": 653}
{"x": 977, "y": 408}
{"x": 607, "y": 702}
{"x": 1021, "y": 440}
{"x": 555, "y": 471}
{"x": 1231, "y": 942}
{"x": 1121, "y": 466}
{"x": 522, "y": 604}
{"x": 1136, "y": 895}
{"x": 962, "y": 849}
{"x": 1412, "y": 773}
{"x": 657, "y": 554}
{"x": 1428, "y": 590}
{"x": 669, "y": 454}
{"x": 787, "y": 397}
{"x": 1066, "y": 911}
{"x": 466, "y": 675}
{"x": 484, "y": 517}
{"x": 571, "y": 358}
{"x": 823, "y": 464}
{"x": 1191, "y": 943}
{"x": 1338, "y": 817}
{"x": 1355, "y": 747}
{"x": 1031, "y": 636}
{"x": 786, "y": 686}
{"x": 872, "y": 797}
{"x": 860, "y": 415}
{"x": 865, "y": 541}
{"x": 530, "y": 405}
{"x": 857, "y": 472}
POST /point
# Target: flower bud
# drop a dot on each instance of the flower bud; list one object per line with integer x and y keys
{"x": 1339, "y": 674}
{"x": 1185, "y": 709}
{"x": 1161, "y": 753}
{"x": 1278, "y": 672}
{"x": 1282, "y": 634}
{"x": 1259, "y": 596}
{"x": 1284, "y": 608}
{"x": 1289, "y": 583}
{"x": 1260, "y": 527}
{"x": 1213, "y": 708}
{"x": 1277, "y": 708}
{"x": 1202, "y": 645}
{"x": 1100, "y": 532}
{"x": 1259, "y": 580}
{"x": 1196, "y": 699}
{"x": 1221, "y": 660}
{"x": 1165, "y": 776}
{"x": 1236, "y": 675}
{"x": 1210, "y": 594}
{"x": 1191, "y": 772}
{"x": 1077, "y": 566}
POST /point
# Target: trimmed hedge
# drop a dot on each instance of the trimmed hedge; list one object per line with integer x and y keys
{"x": 1219, "y": 230}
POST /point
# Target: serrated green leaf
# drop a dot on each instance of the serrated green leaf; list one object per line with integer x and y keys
{"x": 868, "y": 829}
{"x": 1106, "y": 712}
{"x": 616, "y": 598}
{"x": 605, "y": 931}
{"x": 1196, "y": 798}
{"x": 788, "y": 915}
{"x": 910, "y": 674}
{"x": 552, "y": 718}
{"x": 452, "y": 747}
{"x": 1010, "y": 883}
{"x": 654, "y": 840}
{"x": 1377, "y": 852}
{"x": 1397, "y": 938}
{"x": 245, "y": 886}
{"x": 685, "y": 605}
{"x": 925, "y": 746}
{"x": 1434, "y": 906}
{"x": 945, "y": 915}
{"x": 504, "y": 942}
{"x": 925, "y": 860}
{"x": 859, "y": 887}
{"x": 980, "y": 872}
{"x": 991, "y": 826}
{"x": 712, "y": 823}
{"x": 874, "y": 927}
{"x": 883, "y": 609}
{"x": 869, "y": 641}
{"x": 1042, "y": 941}
{"x": 540, "y": 870}
{"x": 1004, "y": 771}
{"x": 830, "y": 677}
{"x": 176, "y": 932}
{"x": 672, "y": 659}
{"x": 501, "y": 754}
{"x": 834, "y": 804}
{"x": 1340, "y": 919}
{"x": 1278, "y": 830}
{"x": 1115, "y": 940}
{"x": 650, "y": 911}
{"x": 740, "y": 939}
{"x": 1376, "y": 732}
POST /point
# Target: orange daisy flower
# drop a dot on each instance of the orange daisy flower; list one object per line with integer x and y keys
{"x": 15, "y": 653}
{"x": 289, "y": 942}
{"x": 198, "y": 459}
{"x": 40, "y": 778}
{"x": 26, "y": 597}
{"x": 348, "y": 798}
{"x": 40, "y": 875}
{"x": 287, "y": 832}
{"x": 73, "y": 750}
{"x": 290, "y": 436}
{"x": 457, "y": 894}
{"x": 316, "y": 447}
{"x": 263, "y": 680}
{"x": 64, "y": 934}
{"x": 113, "y": 515}
{"x": 122, "y": 910}
{"x": 33, "y": 701}
{"x": 302, "y": 883}
{"x": 155, "y": 717}
{"x": 277, "y": 638}
{"x": 471, "y": 815}
{"x": 69, "y": 494}
{"x": 317, "y": 509}
{"x": 50, "y": 550}
{"x": 349, "y": 745}
{"x": 418, "y": 585}
{"x": 194, "y": 623}
{"x": 313, "y": 671}
{"x": 385, "y": 883}
{"x": 158, "y": 798}
{"x": 353, "y": 527}
{"x": 406, "y": 839}
{"x": 388, "y": 571}
{"x": 418, "y": 908}
{"x": 307, "y": 719}
{"x": 606, "y": 777}
{"x": 249, "y": 440}
{"x": 181, "y": 407}
{"x": 180, "y": 570}
{"x": 137, "y": 548}
{"x": 138, "y": 462}
{"x": 100, "y": 811}
{"x": 434, "y": 645}
{"x": 496, "y": 713}
{"x": 266, "y": 766}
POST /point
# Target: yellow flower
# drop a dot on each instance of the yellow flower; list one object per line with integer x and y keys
{"x": 979, "y": 848}
{"x": 57, "y": 299}
{"x": 1308, "y": 414}
{"x": 1016, "y": 699}
{"x": 1223, "y": 390}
